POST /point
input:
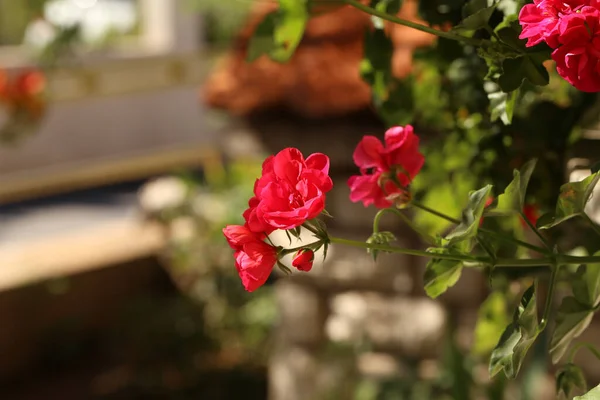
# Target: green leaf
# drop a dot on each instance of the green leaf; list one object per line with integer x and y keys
{"x": 571, "y": 201}
{"x": 571, "y": 320}
{"x": 570, "y": 381}
{"x": 513, "y": 198}
{"x": 375, "y": 67}
{"x": 387, "y": 6}
{"x": 476, "y": 15}
{"x": 516, "y": 70}
{"x": 262, "y": 41}
{"x": 510, "y": 35}
{"x": 280, "y": 32}
{"x": 517, "y": 338}
{"x": 586, "y": 286}
{"x": 502, "y": 105}
{"x": 493, "y": 317}
{"x": 593, "y": 394}
{"x": 471, "y": 215}
{"x": 440, "y": 275}
{"x": 291, "y": 22}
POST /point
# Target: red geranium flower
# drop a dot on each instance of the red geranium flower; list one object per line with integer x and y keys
{"x": 386, "y": 170}
{"x": 578, "y": 56}
{"x": 290, "y": 191}
{"x": 254, "y": 259}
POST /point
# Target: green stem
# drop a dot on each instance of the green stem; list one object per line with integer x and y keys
{"x": 496, "y": 235}
{"x": 295, "y": 249}
{"x": 536, "y": 231}
{"x": 549, "y": 296}
{"x": 414, "y": 25}
{"x": 588, "y": 346}
{"x": 428, "y": 238}
{"x": 500, "y": 262}
{"x": 411, "y": 252}
{"x": 592, "y": 223}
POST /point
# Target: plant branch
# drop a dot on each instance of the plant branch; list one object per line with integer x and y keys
{"x": 428, "y": 238}
{"x": 588, "y": 346}
{"x": 496, "y": 235}
{"x": 536, "y": 231}
{"x": 549, "y": 296}
{"x": 411, "y": 252}
{"x": 414, "y": 25}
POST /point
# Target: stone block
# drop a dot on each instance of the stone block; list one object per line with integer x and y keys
{"x": 412, "y": 326}
{"x": 303, "y": 311}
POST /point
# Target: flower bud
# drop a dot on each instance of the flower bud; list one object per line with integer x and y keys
{"x": 303, "y": 260}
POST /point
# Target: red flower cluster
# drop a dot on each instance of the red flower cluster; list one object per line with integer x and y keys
{"x": 23, "y": 93}
{"x": 572, "y": 29}
{"x": 290, "y": 192}
{"x": 387, "y": 169}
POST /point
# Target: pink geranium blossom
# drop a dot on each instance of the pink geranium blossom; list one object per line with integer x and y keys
{"x": 385, "y": 169}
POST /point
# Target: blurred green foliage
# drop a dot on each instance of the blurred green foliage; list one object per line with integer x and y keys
{"x": 222, "y": 18}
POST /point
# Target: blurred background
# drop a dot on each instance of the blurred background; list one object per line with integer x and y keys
{"x": 134, "y": 133}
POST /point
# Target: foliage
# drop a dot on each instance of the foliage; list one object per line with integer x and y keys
{"x": 488, "y": 90}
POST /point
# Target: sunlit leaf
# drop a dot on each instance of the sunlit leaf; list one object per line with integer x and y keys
{"x": 471, "y": 215}
{"x": 493, "y": 318}
{"x": 513, "y": 198}
{"x": 593, "y": 394}
{"x": 571, "y": 201}
{"x": 280, "y": 32}
{"x": 502, "y": 105}
{"x": 517, "y": 338}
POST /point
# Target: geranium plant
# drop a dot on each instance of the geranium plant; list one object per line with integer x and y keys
{"x": 501, "y": 230}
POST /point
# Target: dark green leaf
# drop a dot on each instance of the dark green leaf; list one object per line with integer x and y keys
{"x": 569, "y": 382}
{"x": 572, "y": 319}
{"x": 516, "y": 70}
{"x": 593, "y": 394}
{"x": 476, "y": 15}
{"x": 262, "y": 41}
{"x": 510, "y": 35}
{"x": 596, "y": 167}
{"x": 571, "y": 201}
{"x": 517, "y": 337}
{"x": 471, "y": 215}
{"x": 375, "y": 67}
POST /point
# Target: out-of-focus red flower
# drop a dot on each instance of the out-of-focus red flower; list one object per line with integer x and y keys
{"x": 254, "y": 259}
{"x": 531, "y": 212}
{"x": 303, "y": 260}
{"x": 387, "y": 169}
{"x": 572, "y": 29}
{"x": 578, "y": 56}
